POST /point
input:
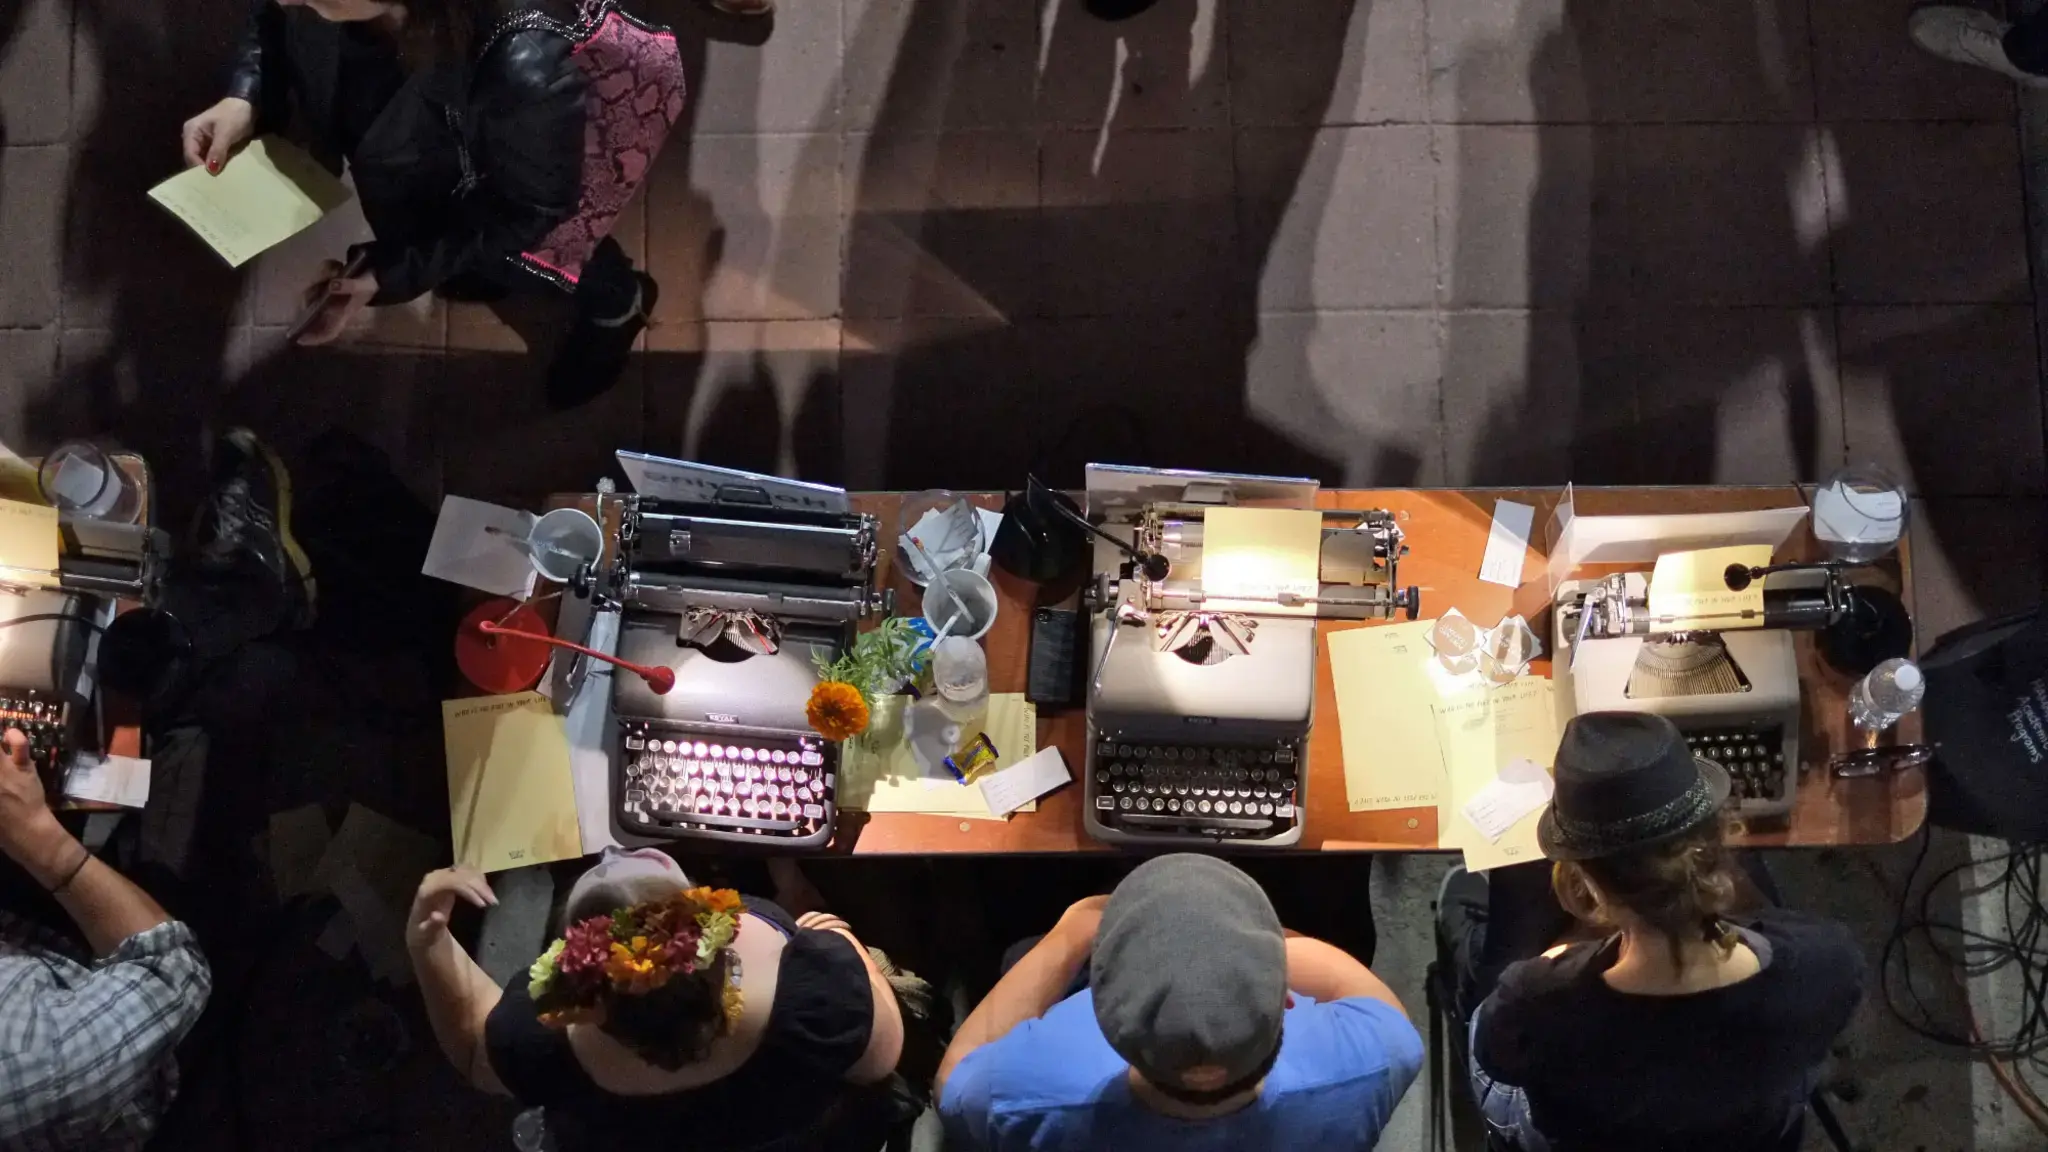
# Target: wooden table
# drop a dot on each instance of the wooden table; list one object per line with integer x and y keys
{"x": 1446, "y": 532}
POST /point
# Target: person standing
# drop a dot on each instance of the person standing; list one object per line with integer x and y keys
{"x": 1203, "y": 1023}
{"x": 464, "y": 129}
{"x": 1688, "y": 1026}
{"x": 87, "y": 1036}
{"x": 1969, "y": 35}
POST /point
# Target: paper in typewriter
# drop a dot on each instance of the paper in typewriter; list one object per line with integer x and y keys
{"x": 1482, "y": 732}
{"x": 511, "y": 801}
{"x": 882, "y": 773}
{"x": 29, "y": 544}
{"x": 1252, "y": 557}
{"x": 1690, "y": 589}
{"x": 1384, "y": 696}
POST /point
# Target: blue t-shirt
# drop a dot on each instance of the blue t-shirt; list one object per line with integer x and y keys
{"x": 1055, "y": 1083}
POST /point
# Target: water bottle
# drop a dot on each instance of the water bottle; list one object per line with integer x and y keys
{"x": 1880, "y": 699}
{"x": 960, "y": 674}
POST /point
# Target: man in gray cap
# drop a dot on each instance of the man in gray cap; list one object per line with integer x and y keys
{"x": 1201, "y": 1017}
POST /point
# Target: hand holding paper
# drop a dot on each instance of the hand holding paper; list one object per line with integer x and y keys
{"x": 264, "y": 195}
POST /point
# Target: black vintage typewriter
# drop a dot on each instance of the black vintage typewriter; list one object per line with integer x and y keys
{"x": 44, "y": 635}
{"x": 743, "y": 599}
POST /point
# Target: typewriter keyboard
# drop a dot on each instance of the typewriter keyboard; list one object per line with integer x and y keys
{"x": 42, "y": 721}
{"x": 1207, "y": 792}
{"x": 675, "y": 783}
{"x": 1754, "y": 758}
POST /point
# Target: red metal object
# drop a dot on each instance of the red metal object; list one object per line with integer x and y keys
{"x": 658, "y": 677}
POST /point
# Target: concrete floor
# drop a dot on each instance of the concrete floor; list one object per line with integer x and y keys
{"x": 914, "y": 242}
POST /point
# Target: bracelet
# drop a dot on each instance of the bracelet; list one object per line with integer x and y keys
{"x": 84, "y": 858}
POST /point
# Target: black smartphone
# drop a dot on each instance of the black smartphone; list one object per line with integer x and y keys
{"x": 1054, "y": 679}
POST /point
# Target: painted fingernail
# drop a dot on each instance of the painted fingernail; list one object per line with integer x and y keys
{"x": 213, "y": 166}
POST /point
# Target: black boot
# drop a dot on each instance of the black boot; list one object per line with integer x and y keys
{"x": 595, "y": 352}
{"x": 246, "y": 523}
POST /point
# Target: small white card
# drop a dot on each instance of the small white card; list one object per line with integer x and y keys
{"x": 1025, "y": 781}
{"x": 1507, "y": 543}
{"x": 1521, "y": 788}
{"x": 122, "y": 780}
{"x": 477, "y": 545}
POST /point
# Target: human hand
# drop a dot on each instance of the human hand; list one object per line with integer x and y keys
{"x": 338, "y": 299}
{"x": 1081, "y": 920}
{"x": 213, "y": 135}
{"x": 824, "y": 922}
{"x": 435, "y": 901}
{"x": 26, "y": 822}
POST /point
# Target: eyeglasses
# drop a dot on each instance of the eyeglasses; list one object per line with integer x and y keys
{"x": 1876, "y": 761}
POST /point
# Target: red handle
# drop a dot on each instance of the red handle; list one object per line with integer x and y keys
{"x": 660, "y": 678}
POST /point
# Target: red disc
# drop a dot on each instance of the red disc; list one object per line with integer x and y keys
{"x": 501, "y": 664}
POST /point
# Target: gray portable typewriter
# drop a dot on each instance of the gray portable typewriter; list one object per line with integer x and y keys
{"x": 1199, "y": 712}
{"x": 1732, "y": 691}
{"x": 740, "y": 588}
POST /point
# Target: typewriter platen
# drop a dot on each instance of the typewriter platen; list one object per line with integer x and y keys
{"x": 741, "y": 593}
{"x": 1198, "y": 719}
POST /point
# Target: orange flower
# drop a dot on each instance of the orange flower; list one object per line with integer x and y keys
{"x": 714, "y": 899}
{"x": 837, "y": 710}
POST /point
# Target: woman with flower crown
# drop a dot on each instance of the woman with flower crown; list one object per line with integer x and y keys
{"x": 691, "y": 1016}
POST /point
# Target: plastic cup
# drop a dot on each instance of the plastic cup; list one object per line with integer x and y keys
{"x": 79, "y": 479}
{"x": 562, "y": 542}
{"x": 973, "y": 592}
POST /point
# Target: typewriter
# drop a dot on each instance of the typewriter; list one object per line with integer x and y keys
{"x": 741, "y": 594}
{"x": 43, "y": 641}
{"x": 1733, "y": 691}
{"x": 1199, "y": 708}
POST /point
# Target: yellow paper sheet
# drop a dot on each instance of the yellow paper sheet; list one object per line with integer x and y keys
{"x": 1384, "y": 696}
{"x": 882, "y": 774}
{"x": 1259, "y": 555}
{"x": 1480, "y": 732}
{"x": 264, "y": 195}
{"x": 28, "y": 543}
{"x": 511, "y": 801}
{"x": 1691, "y": 589}
{"x": 17, "y": 477}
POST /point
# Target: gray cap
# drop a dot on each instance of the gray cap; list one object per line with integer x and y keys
{"x": 1190, "y": 969}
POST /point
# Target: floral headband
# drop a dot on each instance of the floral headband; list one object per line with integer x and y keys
{"x": 635, "y": 951}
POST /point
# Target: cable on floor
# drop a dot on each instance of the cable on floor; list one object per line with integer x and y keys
{"x": 2020, "y": 1058}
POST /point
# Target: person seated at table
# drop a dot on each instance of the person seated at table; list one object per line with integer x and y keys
{"x": 681, "y": 1015}
{"x": 1201, "y": 1020}
{"x": 87, "y": 1035}
{"x": 1686, "y": 1026}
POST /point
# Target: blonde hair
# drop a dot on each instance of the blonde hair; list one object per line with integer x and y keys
{"x": 1683, "y": 888}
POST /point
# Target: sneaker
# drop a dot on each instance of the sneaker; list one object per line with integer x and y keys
{"x": 1968, "y": 35}
{"x": 593, "y": 355}
{"x": 249, "y": 515}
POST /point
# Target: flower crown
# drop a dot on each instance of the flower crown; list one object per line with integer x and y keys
{"x": 634, "y": 951}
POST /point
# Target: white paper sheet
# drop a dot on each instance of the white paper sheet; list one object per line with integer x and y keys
{"x": 476, "y": 545}
{"x": 1021, "y": 783}
{"x": 1521, "y": 788}
{"x": 1507, "y": 543}
{"x": 122, "y": 780}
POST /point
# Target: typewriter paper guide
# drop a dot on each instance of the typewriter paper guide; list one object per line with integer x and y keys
{"x": 757, "y": 692}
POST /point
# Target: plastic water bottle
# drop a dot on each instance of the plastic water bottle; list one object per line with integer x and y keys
{"x": 1880, "y": 699}
{"x": 960, "y": 674}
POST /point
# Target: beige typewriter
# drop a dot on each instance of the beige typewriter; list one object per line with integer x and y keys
{"x": 741, "y": 584}
{"x": 1732, "y": 690}
{"x": 1199, "y": 707}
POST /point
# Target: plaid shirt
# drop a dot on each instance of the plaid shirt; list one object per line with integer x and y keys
{"x": 86, "y": 1052}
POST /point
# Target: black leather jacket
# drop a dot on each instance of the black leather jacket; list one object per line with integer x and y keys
{"x": 518, "y": 112}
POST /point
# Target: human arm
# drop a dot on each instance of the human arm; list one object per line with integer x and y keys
{"x": 257, "y": 97}
{"x": 79, "y": 1045}
{"x": 1030, "y": 988}
{"x": 1323, "y": 972}
{"x": 526, "y": 120}
{"x": 885, "y": 1036}
{"x": 458, "y": 995}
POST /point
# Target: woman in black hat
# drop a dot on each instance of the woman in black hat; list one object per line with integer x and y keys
{"x": 1688, "y": 1025}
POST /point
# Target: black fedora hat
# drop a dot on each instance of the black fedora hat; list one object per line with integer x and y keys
{"x": 1624, "y": 780}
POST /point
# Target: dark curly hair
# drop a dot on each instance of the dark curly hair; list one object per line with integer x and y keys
{"x": 675, "y": 1024}
{"x": 449, "y": 30}
{"x": 1684, "y": 887}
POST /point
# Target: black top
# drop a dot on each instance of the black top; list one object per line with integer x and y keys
{"x": 1717, "y": 1070}
{"x": 517, "y": 110}
{"x": 822, "y": 1019}
{"x": 370, "y": 74}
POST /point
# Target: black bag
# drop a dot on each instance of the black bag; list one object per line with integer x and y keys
{"x": 1987, "y": 713}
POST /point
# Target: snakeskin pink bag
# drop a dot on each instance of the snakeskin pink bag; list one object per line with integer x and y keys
{"x": 635, "y": 97}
